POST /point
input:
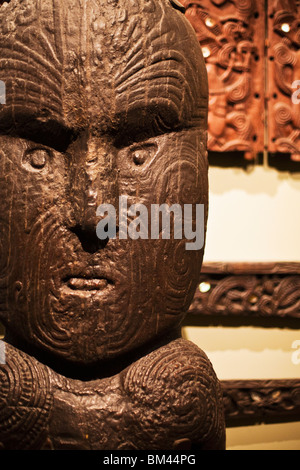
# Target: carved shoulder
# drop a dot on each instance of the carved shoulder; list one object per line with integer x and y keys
{"x": 25, "y": 402}
{"x": 176, "y": 397}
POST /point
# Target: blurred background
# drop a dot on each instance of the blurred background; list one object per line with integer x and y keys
{"x": 252, "y": 52}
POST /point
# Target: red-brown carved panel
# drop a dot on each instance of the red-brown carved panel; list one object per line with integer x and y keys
{"x": 231, "y": 34}
{"x": 284, "y": 71}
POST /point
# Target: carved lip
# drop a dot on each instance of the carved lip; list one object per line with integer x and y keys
{"x": 87, "y": 282}
{"x": 77, "y": 283}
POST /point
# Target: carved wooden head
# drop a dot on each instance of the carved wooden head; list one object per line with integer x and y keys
{"x": 105, "y": 98}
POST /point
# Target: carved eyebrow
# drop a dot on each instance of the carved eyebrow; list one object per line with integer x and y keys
{"x": 177, "y": 5}
{"x": 146, "y": 119}
{"x": 50, "y": 133}
{"x": 166, "y": 80}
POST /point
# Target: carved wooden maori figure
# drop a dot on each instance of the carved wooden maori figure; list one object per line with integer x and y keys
{"x": 231, "y": 34}
{"x": 103, "y": 99}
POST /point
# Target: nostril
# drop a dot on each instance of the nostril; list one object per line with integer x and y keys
{"x": 89, "y": 240}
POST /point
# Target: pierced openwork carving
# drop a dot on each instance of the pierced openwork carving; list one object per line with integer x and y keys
{"x": 261, "y": 401}
{"x": 284, "y": 71}
{"x": 251, "y": 107}
{"x": 249, "y": 289}
{"x": 104, "y": 100}
{"x": 231, "y": 38}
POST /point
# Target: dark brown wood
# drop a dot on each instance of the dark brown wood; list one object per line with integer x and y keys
{"x": 266, "y": 290}
{"x": 249, "y": 402}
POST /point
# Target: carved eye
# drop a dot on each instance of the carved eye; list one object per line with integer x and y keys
{"x": 141, "y": 154}
{"x": 36, "y": 159}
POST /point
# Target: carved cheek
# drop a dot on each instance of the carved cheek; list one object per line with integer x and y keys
{"x": 32, "y": 182}
{"x": 32, "y": 188}
{"x": 181, "y": 183}
{"x": 175, "y": 175}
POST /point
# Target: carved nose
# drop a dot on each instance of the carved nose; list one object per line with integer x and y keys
{"x": 90, "y": 200}
{"x": 87, "y": 220}
{"x": 94, "y": 183}
{"x": 89, "y": 240}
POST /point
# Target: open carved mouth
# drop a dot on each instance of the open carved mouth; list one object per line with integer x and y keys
{"x": 87, "y": 284}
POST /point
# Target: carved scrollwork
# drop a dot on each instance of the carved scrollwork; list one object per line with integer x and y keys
{"x": 284, "y": 70}
{"x": 253, "y": 290}
{"x": 257, "y": 290}
{"x": 232, "y": 45}
{"x": 250, "y": 100}
{"x": 254, "y": 401}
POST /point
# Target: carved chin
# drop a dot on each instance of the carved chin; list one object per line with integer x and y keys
{"x": 88, "y": 308}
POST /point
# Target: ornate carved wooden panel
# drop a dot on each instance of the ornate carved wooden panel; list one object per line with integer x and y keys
{"x": 105, "y": 101}
{"x": 256, "y": 401}
{"x": 253, "y": 290}
{"x": 252, "y": 55}
{"x": 232, "y": 40}
{"x": 284, "y": 71}
{"x": 244, "y": 289}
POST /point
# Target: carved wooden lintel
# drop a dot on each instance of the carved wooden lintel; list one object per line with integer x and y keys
{"x": 253, "y": 290}
{"x": 261, "y": 401}
{"x": 248, "y": 290}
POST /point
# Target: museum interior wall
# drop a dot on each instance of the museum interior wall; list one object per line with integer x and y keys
{"x": 254, "y": 211}
{"x": 103, "y": 105}
{"x": 253, "y": 216}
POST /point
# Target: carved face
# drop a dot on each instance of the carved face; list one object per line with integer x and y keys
{"x": 102, "y": 101}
